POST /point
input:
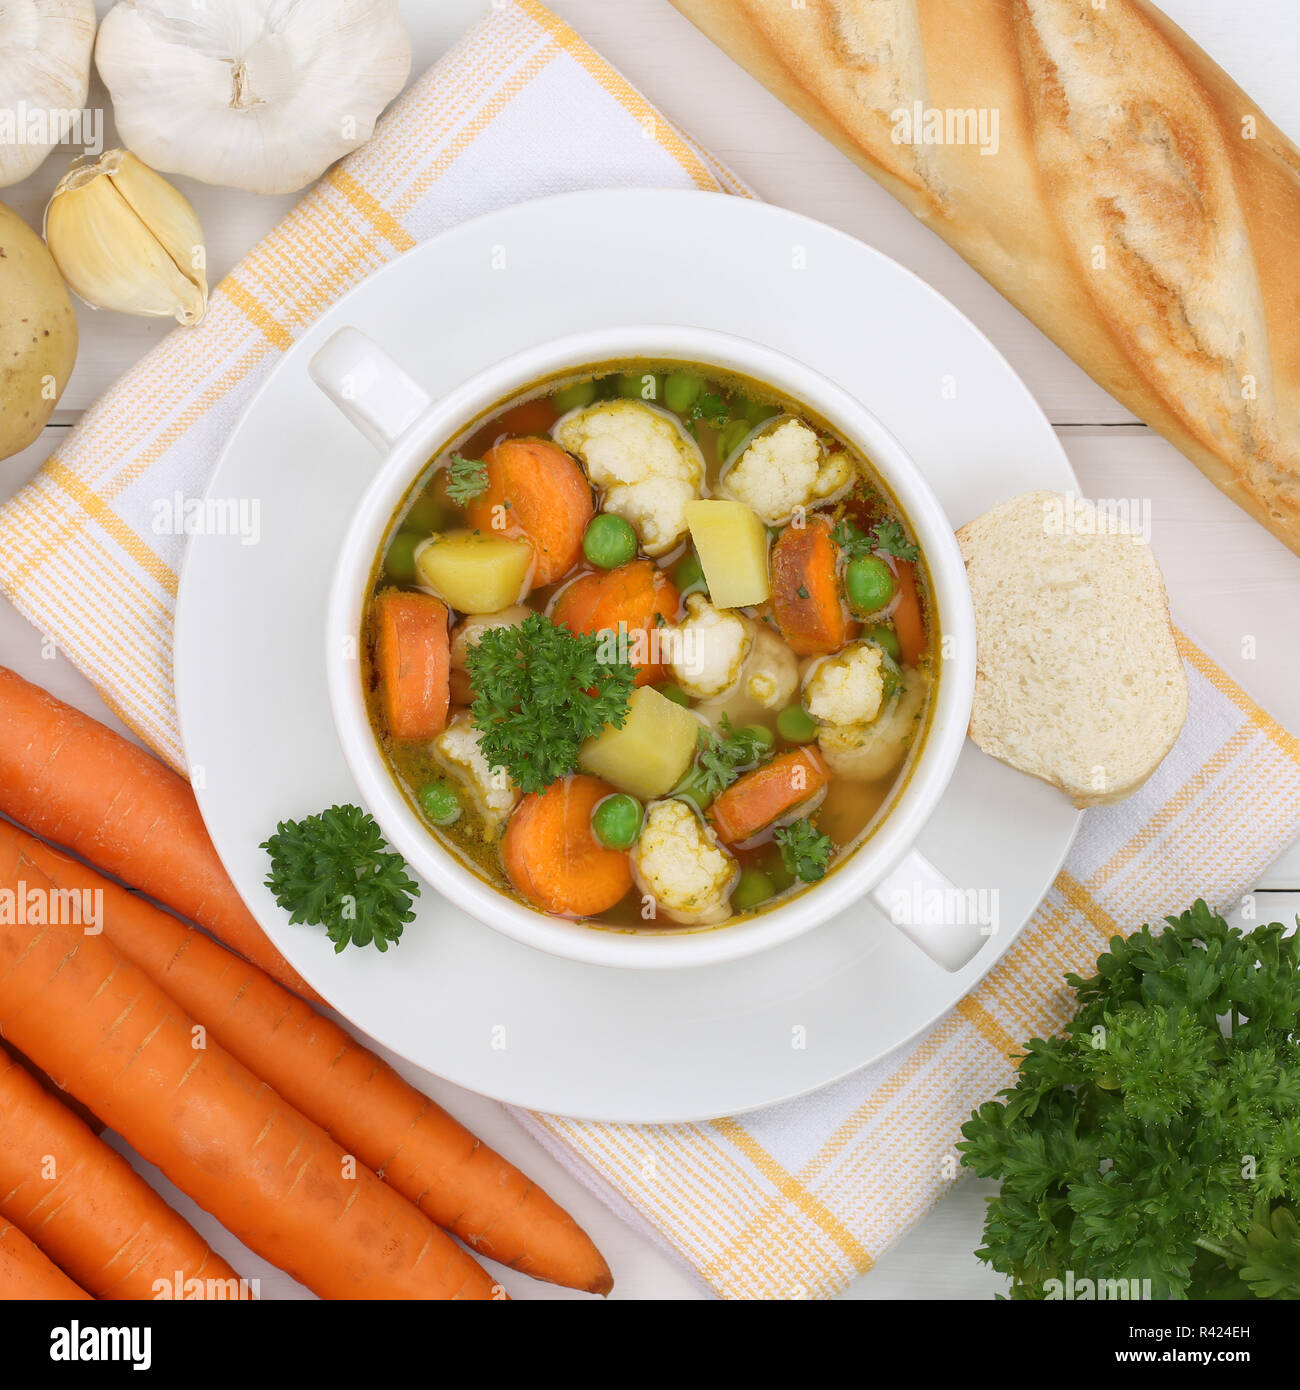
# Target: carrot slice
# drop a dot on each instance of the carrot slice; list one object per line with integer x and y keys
{"x": 806, "y": 600}
{"x": 413, "y": 657}
{"x": 93, "y": 1214}
{"x": 759, "y": 797}
{"x": 633, "y": 600}
{"x": 82, "y": 1011}
{"x": 28, "y": 1275}
{"x": 68, "y": 778}
{"x": 537, "y": 491}
{"x": 552, "y": 857}
{"x": 415, "y": 1145}
{"x": 908, "y": 623}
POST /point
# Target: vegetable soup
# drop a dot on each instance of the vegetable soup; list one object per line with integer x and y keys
{"x": 649, "y": 647}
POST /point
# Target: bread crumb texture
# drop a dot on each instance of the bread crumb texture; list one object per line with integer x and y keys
{"x": 1078, "y": 679}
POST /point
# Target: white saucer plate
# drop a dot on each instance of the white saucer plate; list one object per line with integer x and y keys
{"x": 455, "y": 997}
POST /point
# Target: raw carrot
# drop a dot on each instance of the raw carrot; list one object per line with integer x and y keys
{"x": 413, "y": 657}
{"x": 806, "y": 599}
{"x": 92, "y": 1122}
{"x": 553, "y": 858}
{"x": 410, "y": 1141}
{"x": 84, "y": 1203}
{"x": 27, "y": 1274}
{"x": 98, "y": 1024}
{"x": 537, "y": 491}
{"x": 907, "y": 615}
{"x": 760, "y": 797}
{"x": 70, "y": 779}
{"x": 634, "y": 600}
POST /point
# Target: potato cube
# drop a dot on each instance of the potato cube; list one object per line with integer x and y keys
{"x": 476, "y": 573}
{"x": 732, "y": 545}
{"x": 651, "y": 753}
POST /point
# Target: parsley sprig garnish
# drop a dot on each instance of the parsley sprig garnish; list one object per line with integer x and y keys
{"x": 335, "y": 870}
{"x": 539, "y": 693}
{"x": 885, "y": 538}
{"x": 805, "y": 851}
{"x": 466, "y": 479}
{"x": 722, "y": 757}
{"x": 710, "y": 408}
{"x": 1159, "y": 1137}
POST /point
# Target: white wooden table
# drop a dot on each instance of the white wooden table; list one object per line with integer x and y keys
{"x": 1229, "y": 580}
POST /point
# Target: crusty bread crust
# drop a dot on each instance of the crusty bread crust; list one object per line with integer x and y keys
{"x": 1139, "y": 208}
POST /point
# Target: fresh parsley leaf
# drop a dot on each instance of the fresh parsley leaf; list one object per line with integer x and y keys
{"x": 850, "y": 539}
{"x": 723, "y": 757}
{"x": 887, "y": 537}
{"x": 466, "y": 479}
{"x": 710, "y": 408}
{"x": 1159, "y": 1136}
{"x": 890, "y": 539}
{"x": 805, "y": 851}
{"x": 335, "y": 870}
{"x": 539, "y": 693}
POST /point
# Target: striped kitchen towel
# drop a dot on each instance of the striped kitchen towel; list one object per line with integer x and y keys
{"x": 793, "y": 1201}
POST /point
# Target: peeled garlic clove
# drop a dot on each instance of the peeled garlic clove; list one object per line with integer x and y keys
{"x": 124, "y": 238}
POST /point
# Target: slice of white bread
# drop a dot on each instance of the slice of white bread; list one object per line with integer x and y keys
{"x": 1078, "y": 680}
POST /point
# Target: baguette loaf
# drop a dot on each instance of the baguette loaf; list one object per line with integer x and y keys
{"x": 1102, "y": 172}
{"x": 1078, "y": 678}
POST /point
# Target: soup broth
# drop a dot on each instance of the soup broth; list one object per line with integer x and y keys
{"x": 757, "y": 606}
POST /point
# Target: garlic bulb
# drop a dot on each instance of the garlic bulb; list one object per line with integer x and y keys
{"x": 124, "y": 238}
{"x": 255, "y": 94}
{"x": 45, "y": 48}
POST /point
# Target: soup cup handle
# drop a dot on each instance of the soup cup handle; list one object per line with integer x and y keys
{"x": 369, "y": 388}
{"x": 948, "y": 923}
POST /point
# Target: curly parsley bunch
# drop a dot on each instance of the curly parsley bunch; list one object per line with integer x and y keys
{"x": 1159, "y": 1138}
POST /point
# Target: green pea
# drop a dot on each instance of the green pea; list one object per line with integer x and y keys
{"x": 673, "y": 692}
{"x": 883, "y": 635}
{"x": 609, "y": 541}
{"x": 688, "y": 574}
{"x": 569, "y": 398}
{"x": 440, "y": 802}
{"x": 755, "y": 412}
{"x": 641, "y": 386}
{"x": 869, "y": 583}
{"x": 682, "y": 390}
{"x": 426, "y": 514}
{"x": 399, "y": 562}
{"x": 796, "y": 725}
{"x": 731, "y": 437}
{"x": 753, "y": 887}
{"x": 758, "y": 734}
{"x": 616, "y": 821}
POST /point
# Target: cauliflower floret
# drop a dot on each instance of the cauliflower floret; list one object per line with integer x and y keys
{"x": 457, "y": 748}
{"x": 785, "y": 468}
{"x": 867, "y": 752}
{"x": 679, "y": 863}
{"x": 646, "y": 466}
{"x": 848, "y": 688}
{"x": 709, "y": 648}
{"x": 772, "y": 671}
{"x": 467, "y": 632}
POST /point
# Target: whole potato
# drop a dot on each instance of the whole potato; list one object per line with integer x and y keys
{"x": 38, "y": 334}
